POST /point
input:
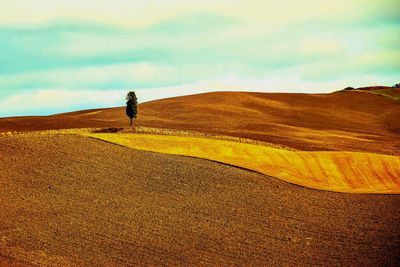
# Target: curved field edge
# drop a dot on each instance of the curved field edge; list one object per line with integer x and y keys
{"x": 148, "y": 131}
{"x": 348, "y": 172}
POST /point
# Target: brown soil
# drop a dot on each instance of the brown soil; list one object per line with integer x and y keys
{"x": 351, "y": 121}
{"x": 69, "y": 200}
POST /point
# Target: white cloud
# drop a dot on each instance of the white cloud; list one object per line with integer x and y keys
{"x": 49, "y": 101}
{"x": 280, "y": 46}
{"x": 321, "y": 46}
{"x": 140, "y": 13}
{"x": 128, "y": 72}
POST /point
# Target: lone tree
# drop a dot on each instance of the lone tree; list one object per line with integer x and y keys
{"x": 131, "y": 105}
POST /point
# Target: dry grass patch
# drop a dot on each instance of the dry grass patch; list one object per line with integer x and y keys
{"x": 351, "y": 172}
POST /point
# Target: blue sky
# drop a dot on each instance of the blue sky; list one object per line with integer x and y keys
{"x": 58, "y": 56}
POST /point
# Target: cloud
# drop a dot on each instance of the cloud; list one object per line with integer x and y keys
{"x": 44, "y": 102}
{"x": 103, "y": 76}
{"x": 105, "y": 46}
{"x": 138, "y": 13}
{"x": 319, "y": 46}
{"x": 183, "y": 50}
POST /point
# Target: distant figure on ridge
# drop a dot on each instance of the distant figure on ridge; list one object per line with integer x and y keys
{"x": 131, "y": 105}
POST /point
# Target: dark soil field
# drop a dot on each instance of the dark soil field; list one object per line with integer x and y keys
{"x": 69, "y": 200}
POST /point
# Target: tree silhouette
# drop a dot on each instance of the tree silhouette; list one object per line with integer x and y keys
{"x": 131, "y": 105}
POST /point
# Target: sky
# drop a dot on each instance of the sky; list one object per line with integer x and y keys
{"x": 65, "y": 55}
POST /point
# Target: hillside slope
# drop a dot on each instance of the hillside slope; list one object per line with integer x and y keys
{"x": 79, "y": 201}
{"x": 349, "y": 172}
{"x": 347, "y": 121}
{"x": 340, "y": 121}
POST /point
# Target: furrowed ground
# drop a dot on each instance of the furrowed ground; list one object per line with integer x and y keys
{"x": 71, "y": 200}
{"x": 67, "y": 198}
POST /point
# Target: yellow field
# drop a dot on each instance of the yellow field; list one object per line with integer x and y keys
{"x": 350, "y": 172}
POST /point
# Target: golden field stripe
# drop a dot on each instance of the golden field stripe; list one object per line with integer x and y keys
{"x": 340, "y": 171}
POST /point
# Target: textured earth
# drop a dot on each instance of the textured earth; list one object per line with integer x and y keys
{"x": 70, "y": 200}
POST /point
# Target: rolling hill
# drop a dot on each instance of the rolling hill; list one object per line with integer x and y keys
{"x": 343, "y": 121}
{"x": 85, "y": 197}
{"x": 67, "y": 200}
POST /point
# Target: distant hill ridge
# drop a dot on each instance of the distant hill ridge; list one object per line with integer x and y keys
{"x": 350, "y": 121}
{"x": 386, "y": 91}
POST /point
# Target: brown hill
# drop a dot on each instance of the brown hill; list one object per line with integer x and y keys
{"x": 67, "y": 200}
{"x": 352, "y": 121}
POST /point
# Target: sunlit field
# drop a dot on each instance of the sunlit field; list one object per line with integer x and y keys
{"x": 339, "y": 171}
{"x": 351, "y": 172}
{"x": 199, "y": 133}
{"x": 315, "y": 177}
